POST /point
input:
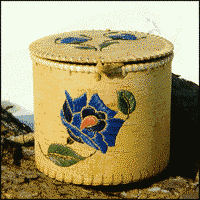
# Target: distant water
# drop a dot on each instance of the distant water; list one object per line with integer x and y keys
{"x": 27, "y": 119}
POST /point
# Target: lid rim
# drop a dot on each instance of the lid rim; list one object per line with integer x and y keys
{"x": 146, "y": 47}
{"x": 138, "y": 61}
{"x": 127, "y": 67}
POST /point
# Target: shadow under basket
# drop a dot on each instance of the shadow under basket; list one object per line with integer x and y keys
{"x": 102, "y": 115}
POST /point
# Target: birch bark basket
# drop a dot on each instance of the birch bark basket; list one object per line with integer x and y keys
{"x": 102, "y": 103}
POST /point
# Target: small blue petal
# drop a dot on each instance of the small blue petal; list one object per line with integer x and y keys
{"x": 88, "y": 141}
{"x": 110, "y": 139}
{"x": 67, "y": 112}
{"x": 100, "y": 115}
{"x": 98, "y": 104}
{"x": 79, "y": 103}
{"x": 69, "y": 40}
{"x": 111, "y": 131}
{"x": 73, "y": 131}
{"x": 77, "y": 120}
{"x": 88, "y": 132}
{"x": 123, "y": 36}
{"x": 87, "y": 111}
{"x": 98, "y": 139}
{"x": 74, "y": 137}
{"x": 69, "y": 99}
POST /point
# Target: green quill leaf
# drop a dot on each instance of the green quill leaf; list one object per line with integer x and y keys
{"x": 63, "y": 156}
{"x": 126, "y": 102}
{"x": 103, "y": 45}
{"x": 86, "y": 47}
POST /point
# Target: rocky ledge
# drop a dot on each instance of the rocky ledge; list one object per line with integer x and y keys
{"x": 20, "y": 178}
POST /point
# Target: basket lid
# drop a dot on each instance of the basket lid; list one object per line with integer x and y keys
{"x": 87, "y": 46}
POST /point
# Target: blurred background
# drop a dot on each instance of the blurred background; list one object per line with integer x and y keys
{"x": 24, "y": 22}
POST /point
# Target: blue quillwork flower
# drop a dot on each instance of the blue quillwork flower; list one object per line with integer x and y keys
{"x": 123, "y": 37}
{"x": 73, "y": 40}
{"x": 92, "y": 124}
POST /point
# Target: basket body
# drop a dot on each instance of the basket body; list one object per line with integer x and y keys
{"x": 141, "y": 145}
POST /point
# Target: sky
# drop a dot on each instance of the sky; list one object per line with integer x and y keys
{"x": 23, "y": 22}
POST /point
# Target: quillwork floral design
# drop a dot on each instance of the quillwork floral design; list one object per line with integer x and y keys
{"x": 91, "y": 43}
{"x": 93, "y": 124}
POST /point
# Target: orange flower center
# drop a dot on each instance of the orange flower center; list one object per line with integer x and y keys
{"x": 89, "y": 121}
